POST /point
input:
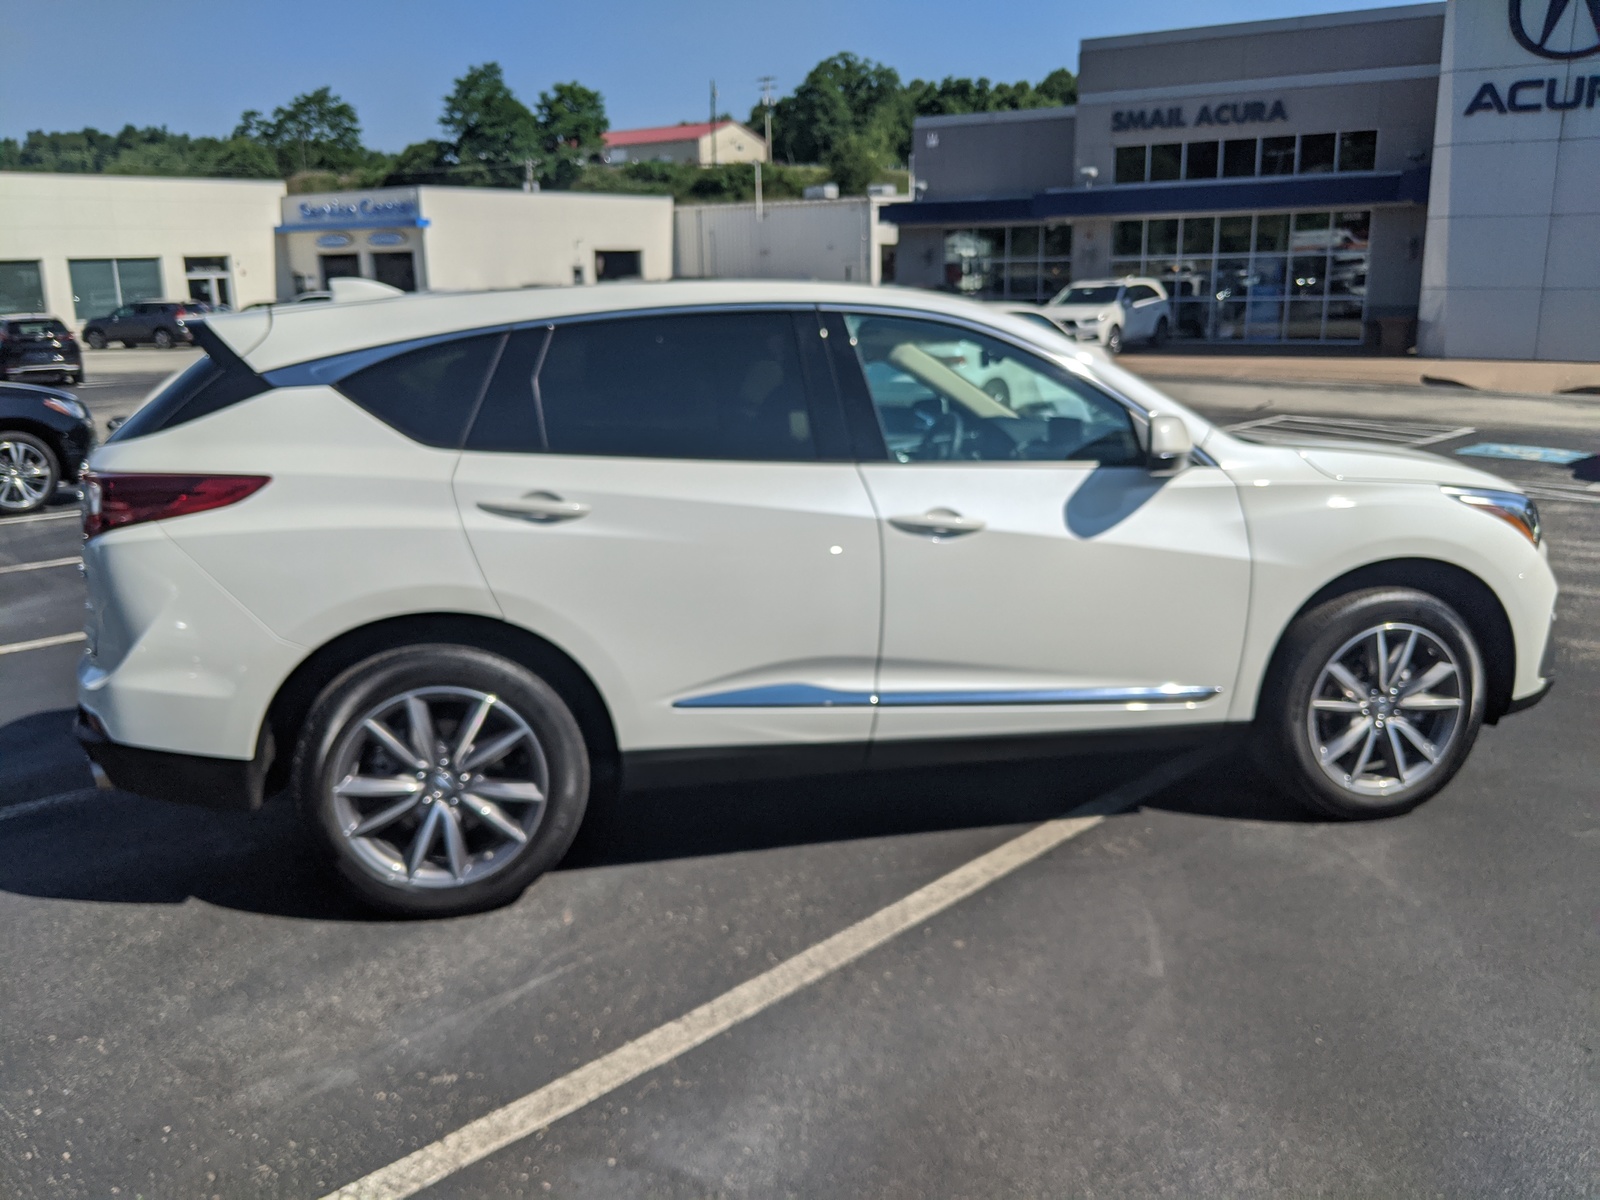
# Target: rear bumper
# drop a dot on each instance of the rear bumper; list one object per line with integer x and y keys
{"x": 220, "y": 783}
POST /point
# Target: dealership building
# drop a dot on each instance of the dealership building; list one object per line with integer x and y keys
{"x": 1430, "y": 170}
{"x": 468, "y": 238}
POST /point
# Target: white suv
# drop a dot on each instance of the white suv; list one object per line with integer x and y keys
{"x": 441, "y": 565}
{"x": 1113, "y": 312}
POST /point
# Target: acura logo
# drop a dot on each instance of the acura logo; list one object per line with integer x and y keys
{"x": 1544, "y": 39}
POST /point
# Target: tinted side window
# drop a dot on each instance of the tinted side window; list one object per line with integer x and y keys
{"x": 214, "y": 382}
{"x": 508, "y": 419}
{"x": 1141, "y": 292}
{"x": 715, "y": 386}
{"x": 428, "y": 394}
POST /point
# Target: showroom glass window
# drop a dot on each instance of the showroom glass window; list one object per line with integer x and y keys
{"x": 21, "y": 287}
{"x": 709, "y": 386}
{"x": 1236, "y": 158}
{"x": 1267, "y": 277}
{"x": 1019, "y": 262}
{"x": 102, "y": 285}
{"x": 945, "y": 393}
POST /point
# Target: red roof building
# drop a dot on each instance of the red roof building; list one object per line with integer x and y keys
{"x": 700, "y": 143}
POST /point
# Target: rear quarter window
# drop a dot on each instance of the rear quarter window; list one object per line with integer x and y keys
{"x": 429, "y": 394}
{"x": 216, "y": 381}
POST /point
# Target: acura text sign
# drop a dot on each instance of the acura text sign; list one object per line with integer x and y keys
{"x": 1562, "y": 31}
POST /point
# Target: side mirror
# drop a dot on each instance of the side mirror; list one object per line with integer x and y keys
{"x": 1170, "y": 444}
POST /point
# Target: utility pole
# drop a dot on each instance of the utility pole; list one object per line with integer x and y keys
{"x": 713, "y": 122}
{"x": 528, "y": 184}
{"x": 766, "y": 82}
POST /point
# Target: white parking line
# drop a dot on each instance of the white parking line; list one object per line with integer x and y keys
{"x": 534, "y": 1111}
{"x": 44, "y": 643}
{"x": 40, "y": 566}
{"x": 73, "y": 515}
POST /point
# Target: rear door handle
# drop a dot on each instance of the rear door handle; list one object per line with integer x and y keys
{"x": 542, "y": 508}
{"x": 938, "y": 522}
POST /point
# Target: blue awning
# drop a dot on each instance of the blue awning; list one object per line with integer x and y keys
{"x": 1242, "y": 195}
{"x": 357, "y": 223}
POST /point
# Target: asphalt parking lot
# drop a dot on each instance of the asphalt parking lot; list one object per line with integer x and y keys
{"x": 1200, "y": 992}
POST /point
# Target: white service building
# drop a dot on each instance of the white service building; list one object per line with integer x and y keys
{"x": 79, "y": 246}
{"x": 470, "y": 238}
{"x": 841, "y": 241}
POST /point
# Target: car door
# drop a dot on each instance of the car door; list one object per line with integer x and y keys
{"x": 1039, "y": 578}
{"x": 670, "y": 499}
{"x": 1145, "y": 308}
{"x": 119, "y": 324}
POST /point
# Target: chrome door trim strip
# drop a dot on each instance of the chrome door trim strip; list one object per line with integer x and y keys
{"x": 805, "y": 695}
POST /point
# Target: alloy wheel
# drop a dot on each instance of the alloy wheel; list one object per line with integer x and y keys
{"x": 26, "y": 479}
{"x": 438, "y": 788}
{"x": 1386, "y": 709}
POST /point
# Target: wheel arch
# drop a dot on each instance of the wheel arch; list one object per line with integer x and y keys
{"x": 295, "y": 696}
{"x": 1465, "y": 592}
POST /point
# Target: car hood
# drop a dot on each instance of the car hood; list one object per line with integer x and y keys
{"x": 1362, "y": 462}
{"x": 1077, "y": 312}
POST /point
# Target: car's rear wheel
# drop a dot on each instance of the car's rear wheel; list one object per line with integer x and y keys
{"x": 1114, "y": 340}
{"x": 162, "y": 339}
{"x": 29, "y": 473}
{"x": 96, "y": 340}
{"x": 443, "y": 779}
{"x": 1159, "y": 337}
{"x": 1372, "y": 704}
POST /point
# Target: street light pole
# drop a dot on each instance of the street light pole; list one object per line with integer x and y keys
{"x": 766, "y": 82}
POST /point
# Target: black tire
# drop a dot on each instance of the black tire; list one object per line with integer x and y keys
{"x": 1288, "y": 745}
{"x": 1114, "y": 340}
{"x": 163, "y": 339}
{"x": 12, "y": 507}
{"x": 75, "y": 378}
{"x": 337, "y": 717}
{"x": 96, "y": 340}
{"x": 1159, "y": 337}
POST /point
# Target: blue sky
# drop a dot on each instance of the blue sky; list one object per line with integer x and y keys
{"x": 195, "y": 67}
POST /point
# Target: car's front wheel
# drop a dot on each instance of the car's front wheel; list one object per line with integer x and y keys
{"x": 1114, "y": 340}
{"x": 29, "y": 473}
{"x": 443, "y": 779}
{"x": 1372, "y": 703}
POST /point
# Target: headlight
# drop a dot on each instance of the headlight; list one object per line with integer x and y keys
{"x": 1513, "y": 508}
{"x": 70, "y": 408}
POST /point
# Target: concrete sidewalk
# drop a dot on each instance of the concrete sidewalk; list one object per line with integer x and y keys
{"x": 1355, "y": 369}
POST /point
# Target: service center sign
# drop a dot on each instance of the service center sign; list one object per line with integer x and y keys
{"x": 1561, "y": 32}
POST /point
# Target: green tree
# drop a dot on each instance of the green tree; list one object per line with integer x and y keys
{"x": 841, "y": 95}
{"x": 490, "y": 131}
{"x": 855, "y": 160}
{"x": 1059, "y": 87}
{"x": 432, "y": 161}
{"x": 316, "y": 131}
{"x": 572, "y": 123}
{"x": 244, "y": 158}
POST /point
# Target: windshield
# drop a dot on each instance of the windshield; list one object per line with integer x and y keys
{"x": 1102, "y": 293}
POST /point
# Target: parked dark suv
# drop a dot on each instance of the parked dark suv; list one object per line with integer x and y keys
{"x": 161, "y": 322}
{"x": 35, "y": 345}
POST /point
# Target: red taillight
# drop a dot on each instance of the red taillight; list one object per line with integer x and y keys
{"x": 112, "y": 500}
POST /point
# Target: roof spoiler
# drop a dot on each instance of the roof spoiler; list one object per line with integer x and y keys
{"x": 349, "y": 289}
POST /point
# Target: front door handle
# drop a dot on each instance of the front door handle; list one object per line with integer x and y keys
{"x": 938, "y": 522}
{"x": 542, "y": 508}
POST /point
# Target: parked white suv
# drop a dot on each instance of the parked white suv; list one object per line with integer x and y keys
{"x": 441, "y": 565}
{"x": 1113, "y": 312}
